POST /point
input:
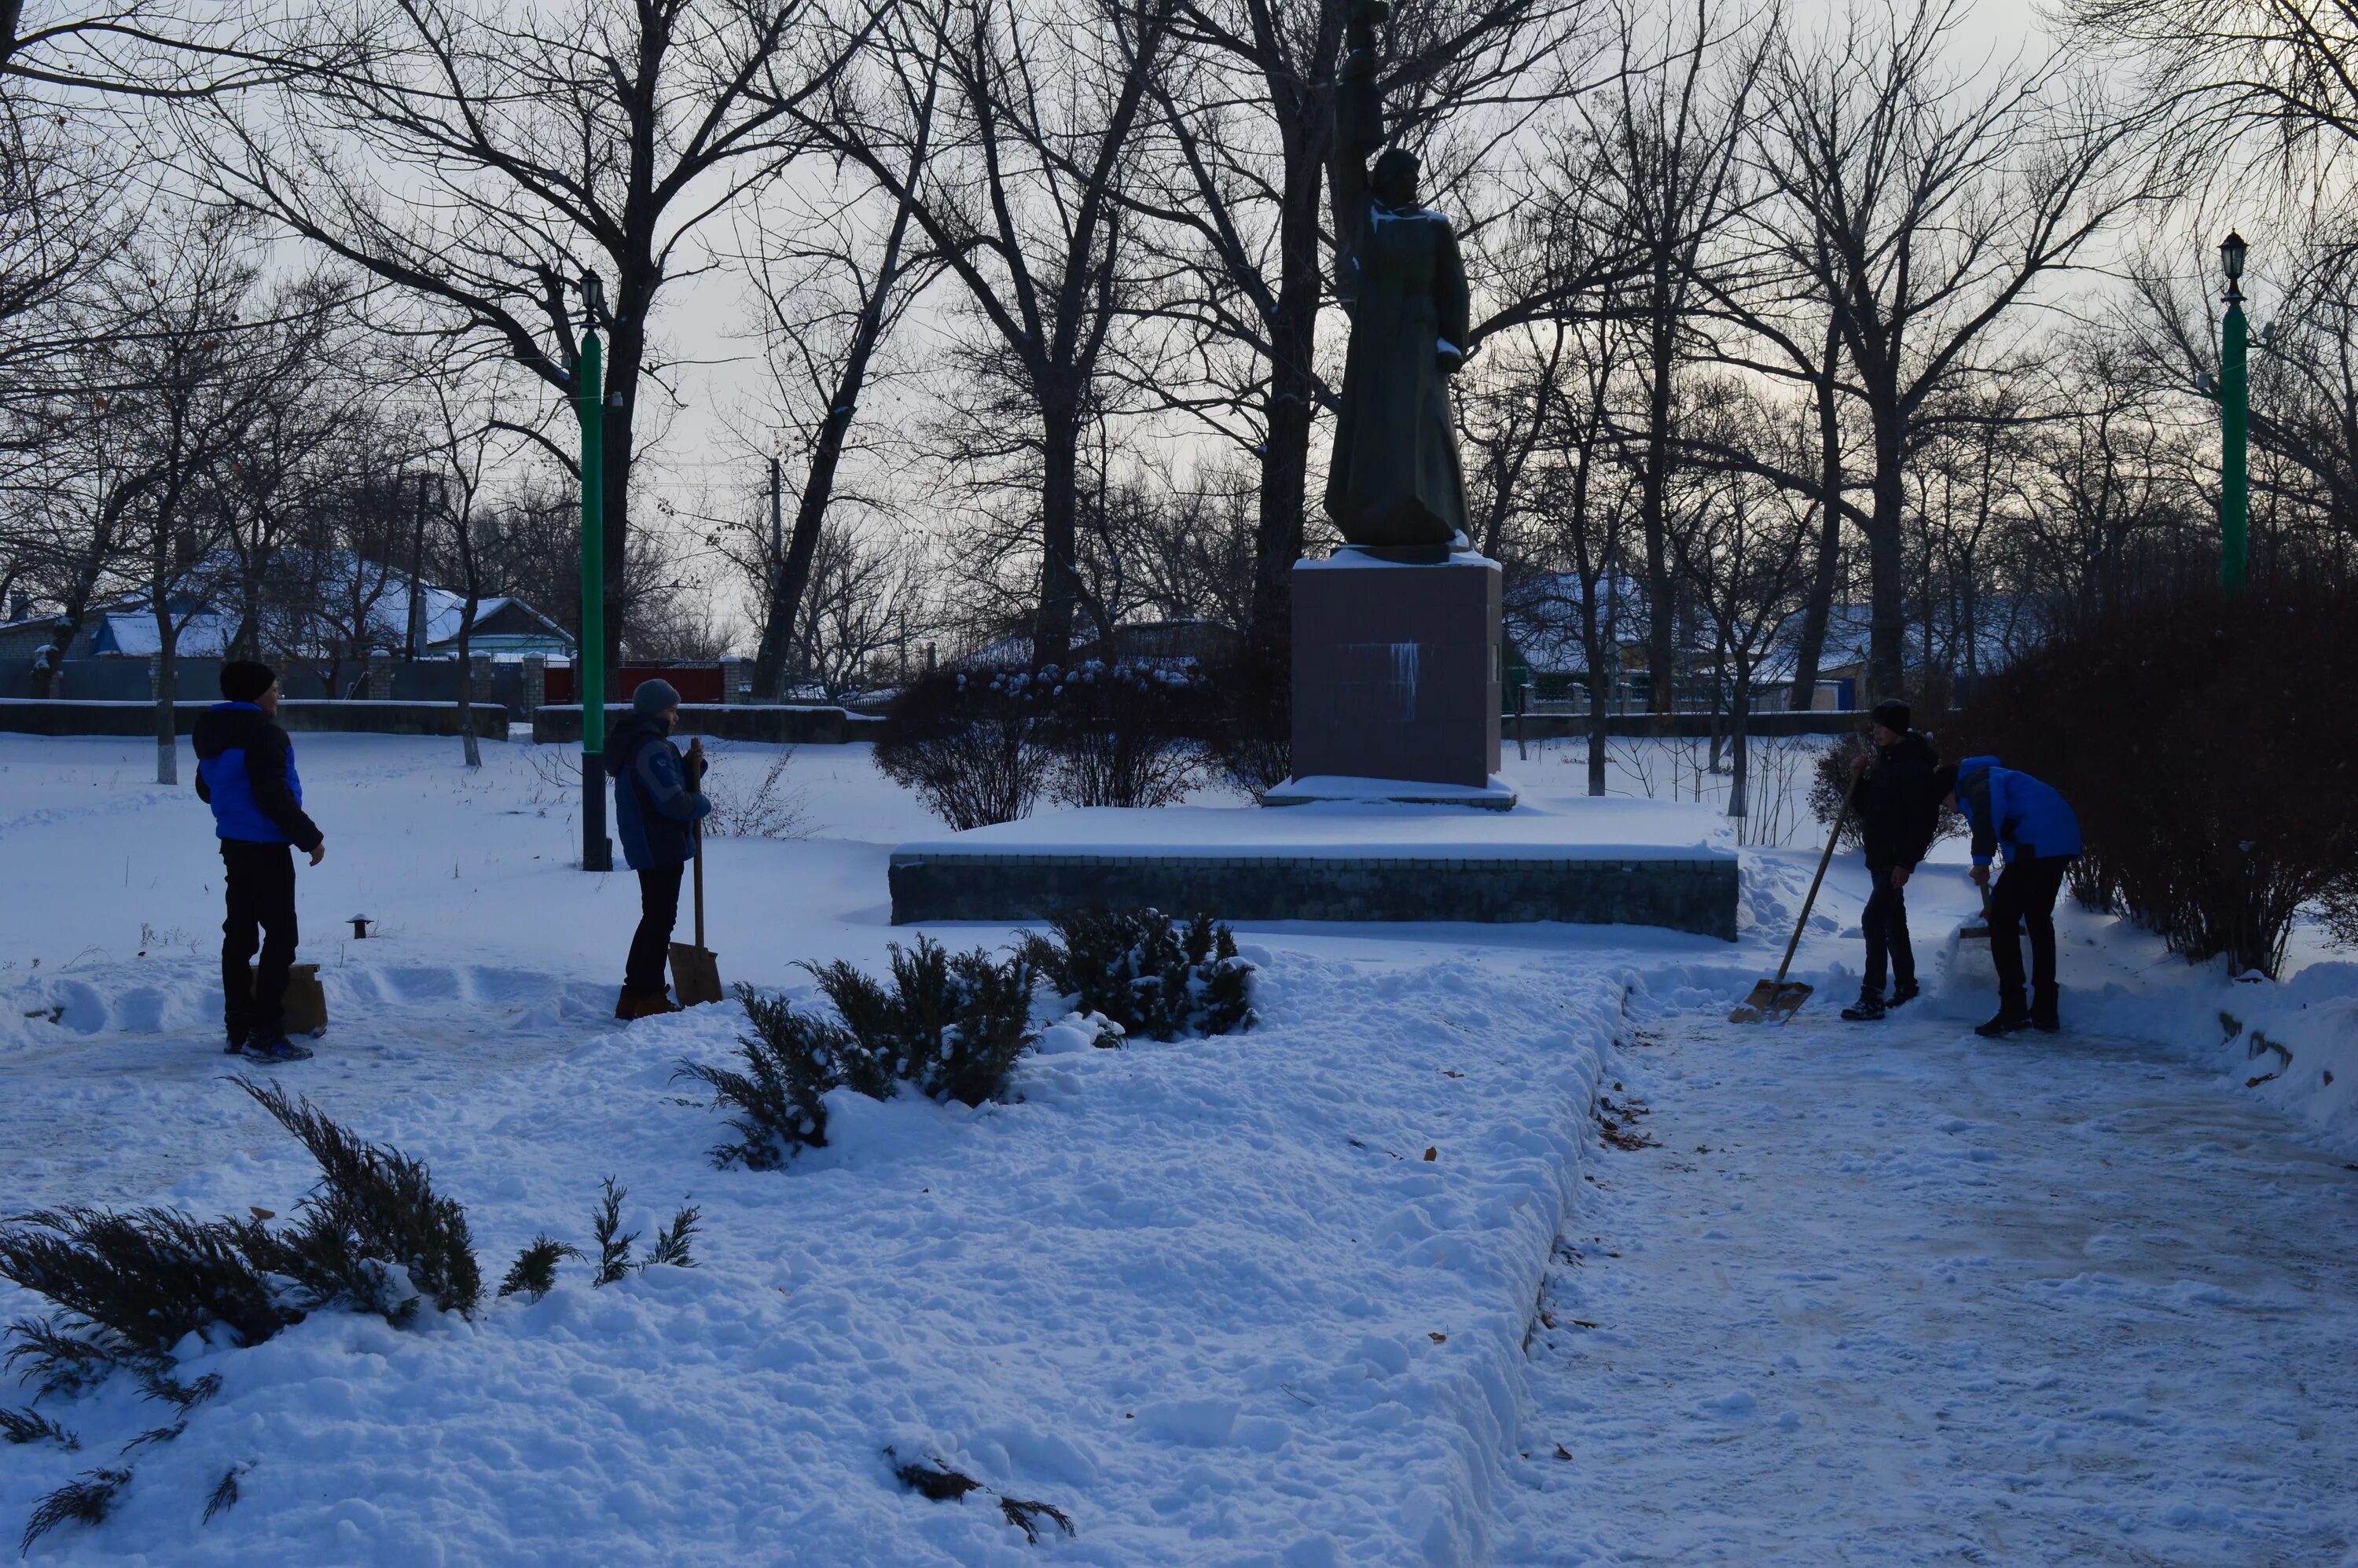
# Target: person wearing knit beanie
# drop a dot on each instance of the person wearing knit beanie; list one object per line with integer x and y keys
{"x": 658, "y": 800}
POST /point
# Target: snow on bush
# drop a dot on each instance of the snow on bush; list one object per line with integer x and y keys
{"x": 952, "y": 1024}
{"x": 1146, "y": 973}
{"x": 982, "y": 747}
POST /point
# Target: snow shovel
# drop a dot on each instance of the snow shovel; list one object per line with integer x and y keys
{"x": 695, "y": 971}
{"x": 1976, "y": 930}
{"x": 1778, "y": 1000}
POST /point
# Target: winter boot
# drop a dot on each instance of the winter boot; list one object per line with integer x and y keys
{"x": 1903, "y": 993}
{"x": 2012, "y": 1018}
{"x": 236, "y": 1036}
{"x": 2044, "y": 1014}
{"x": 1867, "y": 1009}
{"x": 276, "y": 1048}
{"x": 636, "y": 1004}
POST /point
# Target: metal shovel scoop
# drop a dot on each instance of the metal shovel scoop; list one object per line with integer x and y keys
{"x": 1774, "y": 1002}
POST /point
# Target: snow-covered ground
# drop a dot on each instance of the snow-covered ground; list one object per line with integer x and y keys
{"x": 1209, "y": 1297}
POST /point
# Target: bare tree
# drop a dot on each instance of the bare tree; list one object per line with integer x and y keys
{"x": 823, "y": 333}
{"x": 1922, "y": 206}
{"x": 211, "y": 351}
{"x": 481, "y": 161}
{"x": 1019, "y": 205}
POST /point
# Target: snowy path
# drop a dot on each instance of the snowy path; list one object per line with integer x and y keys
{"x": 1898, "y": 1295}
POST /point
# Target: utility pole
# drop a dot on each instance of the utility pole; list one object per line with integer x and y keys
{"x": 414, "y": 638}
{"x": 2234, "y": 425}
{"x": 589, "y": 658}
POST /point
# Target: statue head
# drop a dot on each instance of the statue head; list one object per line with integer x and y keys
{"x": 1394, "y": 179}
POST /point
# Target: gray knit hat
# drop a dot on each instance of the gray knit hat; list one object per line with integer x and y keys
{"x": 652, "y": 697}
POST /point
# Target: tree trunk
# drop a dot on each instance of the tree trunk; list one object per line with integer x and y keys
{"x": 167, "y": 675}
{"x": 1820, "y": 608}
{"x": 1661, "y": 629}
{"x": 1739, "y": 754}
{"x": 1291, "y": 408}
{"x": 469, "y": 744}
{"x": 1886, "y": 561}
{"x": 1052, "y": 634}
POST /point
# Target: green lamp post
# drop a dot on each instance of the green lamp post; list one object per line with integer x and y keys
{"x": 2235, "y": 424}
{"x": 590, "y": 660}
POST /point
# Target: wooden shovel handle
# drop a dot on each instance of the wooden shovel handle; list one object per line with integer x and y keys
{"x": 1832, "y": 839}
{"x": 696, "y": 828}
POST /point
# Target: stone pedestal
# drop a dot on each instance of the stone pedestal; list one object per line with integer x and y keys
{"x": 1396, "y": 670}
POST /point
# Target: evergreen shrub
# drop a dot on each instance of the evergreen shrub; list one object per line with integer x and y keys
{"x": 952, "y": 1025}
{"x": 373, "y": 1236}
{"x": 1147, "y": 973}
{"x": 2205, "y": 746}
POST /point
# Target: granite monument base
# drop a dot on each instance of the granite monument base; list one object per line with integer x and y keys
{"x": 1396, "y": 669}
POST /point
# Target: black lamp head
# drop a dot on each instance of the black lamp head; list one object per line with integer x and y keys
{"x": 2231, "y": 254}
{"x": 593, "y": 296}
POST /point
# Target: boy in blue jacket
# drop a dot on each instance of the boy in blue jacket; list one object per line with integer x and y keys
{"x": 656, "y": 807}
{"x": 2040, "y": 837}
{"x": 246, "y": 772}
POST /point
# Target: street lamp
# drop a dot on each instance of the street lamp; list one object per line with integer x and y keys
{"x": 590, "y": 659}
{"x": 2235, "y": 423}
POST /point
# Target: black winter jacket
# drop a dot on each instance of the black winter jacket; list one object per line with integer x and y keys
{"x": 1897, "y": 809}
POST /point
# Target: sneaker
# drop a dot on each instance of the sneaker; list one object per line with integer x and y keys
{"x": 278, "y": 1048}
{"x": 1903, "y": 993}
{"x": 1867, "y": 1009}
{"x": 2012, "y": 1018}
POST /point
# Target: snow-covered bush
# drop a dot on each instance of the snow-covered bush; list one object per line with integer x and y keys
{"x": 980, "y": 747}
{"x": 1123, "y": 734}
{"x": 788, "y": 1063}
{"x": 373, "y": 1236}
{"x": 951, "y": 1023}
{"x": 972, "y": 746}
{"x": 1146, "y": 973}
{"x": 2205, "y": 747}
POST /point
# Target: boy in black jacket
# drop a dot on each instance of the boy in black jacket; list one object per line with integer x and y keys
{"x": 1899, "y": 813}
{"x": 246, "y": 772}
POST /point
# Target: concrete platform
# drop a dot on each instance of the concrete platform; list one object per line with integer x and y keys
{"x": 1615, "y": 862}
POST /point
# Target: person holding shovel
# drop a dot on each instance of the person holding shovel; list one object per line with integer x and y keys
{"x": 656, "y": 806}
{"x": 246, "y": 772}
{"x": 2040, "y": 836}
{"x": 1898, "y": 813}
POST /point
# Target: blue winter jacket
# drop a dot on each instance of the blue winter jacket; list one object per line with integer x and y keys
{"x": 654, "y": 810}
{"x": 2005, "y": 807}
{"x": 246, "y": 772}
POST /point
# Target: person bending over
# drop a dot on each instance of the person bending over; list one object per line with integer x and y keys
{"x": 246, "y": 772}
{"x": 656, "y": 810}
{"x": 2036, "y": 827}
{"x": 1899, "y": 813}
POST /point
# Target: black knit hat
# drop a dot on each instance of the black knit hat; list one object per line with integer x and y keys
{"x": 1892, "y": 713}
{"x": 243, "y": 681}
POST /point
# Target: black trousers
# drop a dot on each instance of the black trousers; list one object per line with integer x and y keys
{"x": 2024, "y": 896}
{"x": 1885, "y": 922}
{"x": 658, "y": 913}
{"x": 259, "y": 888}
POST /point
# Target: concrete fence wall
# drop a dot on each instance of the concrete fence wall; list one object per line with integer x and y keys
{"x": 27, "y": 717}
